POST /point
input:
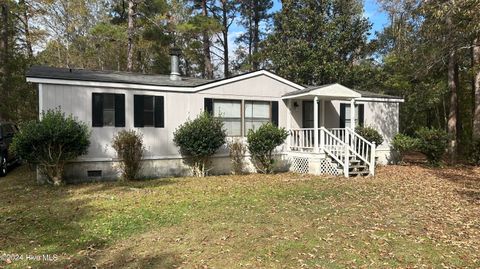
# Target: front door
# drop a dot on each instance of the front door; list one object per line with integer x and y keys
{"x": 307, "y": 114}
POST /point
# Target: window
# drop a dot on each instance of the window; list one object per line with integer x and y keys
{"x": 230, "y": 112}
{"x": 108, "y": 109}
{"x": 345, "y": 119}
{"x": 233, "y": 112}
{"x": 256, "y": 114}
{"x": 148, "y": 111}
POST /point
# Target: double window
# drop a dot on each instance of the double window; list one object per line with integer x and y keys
{"x": 108, "y": 109}
{"x": 345, "y": 119}
{"x": 241, "y": 116}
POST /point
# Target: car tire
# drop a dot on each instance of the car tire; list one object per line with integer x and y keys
{"x": 3, "y": 166}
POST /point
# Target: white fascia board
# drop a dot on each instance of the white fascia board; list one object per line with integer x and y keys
{"x": 162, "y": 88}
{"x": 109, "y": 85}
{"x": 372, "y": 99}
{"x": 246, "y": 76}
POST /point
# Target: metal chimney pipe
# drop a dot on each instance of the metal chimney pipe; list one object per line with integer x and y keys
{"x": 174, "y": 64}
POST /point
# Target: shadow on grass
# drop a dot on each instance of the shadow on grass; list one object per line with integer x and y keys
{"x": 467, "y": 178}
{"x": 41, "y": 219}
{"x": 127, "y": 258}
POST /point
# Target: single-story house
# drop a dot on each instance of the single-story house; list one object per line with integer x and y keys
{"x": 320, "y": 119}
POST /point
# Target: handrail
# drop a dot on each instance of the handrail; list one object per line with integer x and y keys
{"x": 359, "y": 136}
{"x": 363, "y": 148}
{"x": 329, "y": 152}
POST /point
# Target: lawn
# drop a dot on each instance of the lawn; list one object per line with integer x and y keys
{"x": 407, "y": 216}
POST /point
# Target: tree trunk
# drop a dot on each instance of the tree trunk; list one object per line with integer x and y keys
{"x": 4, "y": 40}
{"x": 131, "y": 34}
{"x": 452, "y": 116}
{"x": 4, "y": 34}
{"x": 476, "y": 86}
{"x": 26, "y": 28}
{"x": 256, "y": 35}
{"x": 208, "y": 68}
{"x": 226, "y": 70}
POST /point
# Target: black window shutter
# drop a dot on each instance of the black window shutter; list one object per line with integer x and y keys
{"x": 159, "y": 111}
{"x": 97, "y": 109}
{"x": 342, "y": 115}
{"x": 361, "y": 114}
{"x": 138, "y": 111}
{"x": 208, "y": 105}
{"x": 119, "y": 110}
{"x": 275, "y": 113}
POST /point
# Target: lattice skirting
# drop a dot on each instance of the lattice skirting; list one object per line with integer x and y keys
{"x": 329, "y": 168}
{"x": 299, "y": 165}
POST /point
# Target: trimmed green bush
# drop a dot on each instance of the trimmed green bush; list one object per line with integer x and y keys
{"x": 262, "y": 143}
{"x": 129, "y": 148}
{"x": 370, "y": 134}
{"x": 198, "y": 140}
{"x": 433, "y": 143}
{"x": 403, "y": 143}
{"x": 51, "y": 142}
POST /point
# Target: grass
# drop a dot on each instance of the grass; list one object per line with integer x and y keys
{"x": 406, "y": 216}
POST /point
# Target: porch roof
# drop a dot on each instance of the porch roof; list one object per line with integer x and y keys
{"x": 335, "y": 91}
{"x": 330, "y": 91}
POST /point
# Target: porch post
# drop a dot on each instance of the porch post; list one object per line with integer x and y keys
{"x": 289, "y": 123}
{"x": 315, "y": 124}
{"x": 352, "y": 114}
{"x": 322, "y": 124}
{"x": 322, "y": 113}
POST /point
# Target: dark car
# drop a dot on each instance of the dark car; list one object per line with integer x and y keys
{"x": 7, "y": 159}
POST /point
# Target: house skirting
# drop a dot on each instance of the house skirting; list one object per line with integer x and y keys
{"x": 93, "y": 171}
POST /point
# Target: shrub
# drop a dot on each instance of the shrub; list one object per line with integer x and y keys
{"x": 198, "y": 140}
{"x": 262, "y": 143}
{"x": 475, "y": 152}
{"x": 433, "y": 143}
{"x": 237, "y": 150}
{"x": 129, "y": 148}
{"x": 51, "y": 142}
{"x": 370, "y": 134}
{"x": 403, "y": 143}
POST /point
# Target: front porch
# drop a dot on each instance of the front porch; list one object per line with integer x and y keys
{"x": 319, "y": 145}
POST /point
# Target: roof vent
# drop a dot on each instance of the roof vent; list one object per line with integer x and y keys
{"x": 174, "y": 62}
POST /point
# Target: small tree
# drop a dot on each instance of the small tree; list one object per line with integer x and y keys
{"x": 370, "y": 134}
{"x": 403, "y": 143}
{"x": 198, "y": 140}
{"x": 237, "y": 150}
{"x": 51, "y": 142}
{"x": 129, "y": 148}
{"x": 433, "y": 143}
{"x": 262, "y": 143}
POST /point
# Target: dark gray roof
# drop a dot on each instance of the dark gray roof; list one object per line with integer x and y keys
{"x": 112, "y": 76}
{"x": 377, "y": 95}
{"x": 306, "y": 90}
{"x": 363, "y": 93}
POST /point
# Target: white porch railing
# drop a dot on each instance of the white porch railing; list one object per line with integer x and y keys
{"x": 302, "y": 139}
{"x": 339, "y": 143}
